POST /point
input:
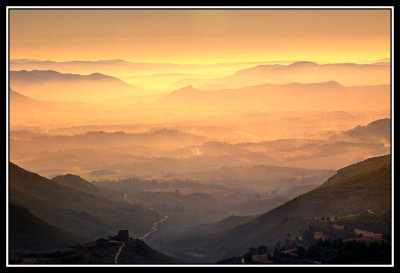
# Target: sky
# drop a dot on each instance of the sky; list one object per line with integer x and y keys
{"x": 200, "y": 36}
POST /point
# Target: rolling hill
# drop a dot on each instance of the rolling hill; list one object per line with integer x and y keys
{"x": 76, "y": 211}
{"x": 161, "y": 139}
{"x": 324, "y": 96}
{"x": 349, "y": 74}
{"x": 54, "y": 86}
{"x": 78, "y": 183}
{"x": 362, "y": 186}
{"x": 25, "y": 109}
{"x": 33, "y": 77}
{"x": 376, "y": 131}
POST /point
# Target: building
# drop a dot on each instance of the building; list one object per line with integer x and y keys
{"x": 123, "y": 235}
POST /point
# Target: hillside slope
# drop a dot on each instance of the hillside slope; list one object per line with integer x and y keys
{"x": 78, "y": 183}
{"x": 138, "y": 252}
{"x": 29, "y": 233}
{"x": 101, "y": 251}
{"x": 362, "y": 186}
{"x": 88, "y": 215}
{"x": 377, "y": 131}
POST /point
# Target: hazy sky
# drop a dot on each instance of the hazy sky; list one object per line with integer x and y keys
{"x": 200, "y": 36}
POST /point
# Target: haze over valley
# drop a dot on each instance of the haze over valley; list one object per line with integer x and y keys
{"x": 201, "y": 157}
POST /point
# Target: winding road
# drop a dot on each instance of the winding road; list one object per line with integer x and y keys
{"x": 118, "y": 252}
{"x": 154, "y": 227}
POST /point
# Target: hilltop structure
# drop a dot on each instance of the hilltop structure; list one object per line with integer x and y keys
{"x": 123, "y": 235}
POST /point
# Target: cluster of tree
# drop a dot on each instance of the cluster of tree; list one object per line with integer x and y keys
{"x": 327, "y": 251}
{"x": 347, "y": 252}
{"x": 379, "y": 223}
{"x": 328, "y": 230}
{"x": 248, "y": 257}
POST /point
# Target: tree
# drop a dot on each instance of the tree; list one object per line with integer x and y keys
{"x": 252, "y": 251}
{"x": 278, "y": 245}
{"x": 348, "y": 232}
{"x": 288, "y": 243}
{"x": 301, "y": 252}
{"x": 277, "y": 252}
{"x": 248, "y": 258}
{"x": 308, "y": 234}
{"x": 262, "y": 249}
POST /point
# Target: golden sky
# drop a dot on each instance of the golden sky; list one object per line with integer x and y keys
{"x": 200, "y": 36}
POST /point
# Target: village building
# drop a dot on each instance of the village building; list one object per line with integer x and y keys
{"x": 123, "y": 235}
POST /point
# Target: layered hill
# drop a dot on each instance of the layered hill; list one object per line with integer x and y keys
{"x": 324, "y": 96}
{"x": 349, "y": 74}
{"x": 33, "y": 77}
{"x": 89, "y": 215}
{"x": 164, "y": 138}
{"x": 359, "y": 187}
{"x": 376, "y": 131}
{"x": 54, "y": 86}
{"x": 78, "y": 183}
{"x": 25, "y": 109}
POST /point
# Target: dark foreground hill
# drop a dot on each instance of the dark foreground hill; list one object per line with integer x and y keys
{"x": 101, "y": 251}
{"x": 29, "y": 233}
{"x": 364, "y": 186}
{"x": 138, "y": 252}
{"x": 86, "y": 214}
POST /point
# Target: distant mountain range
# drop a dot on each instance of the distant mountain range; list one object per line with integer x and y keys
{"x": 376, "y": 131}
{"x": 238, "y": 74}
{"x": 192, "y": 156}
{"x": 26, "y": 78}
{"x": 71, "y": 101}
{"x": 348, "y": 74}
{"x": 324, "y": 96}
{"x": 169, "y": 139}
{"x": 120, "y": 66}
{"x": 51, "y": 85}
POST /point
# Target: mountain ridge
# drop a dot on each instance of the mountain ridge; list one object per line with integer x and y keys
{"x": 85, "y": 214}
{"x": 328, "y": 95}
{"x": 352, "y": 193}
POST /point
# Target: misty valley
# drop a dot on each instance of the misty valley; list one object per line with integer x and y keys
{"x": 199, "y": 137}
{"x": 194, "y": 198}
